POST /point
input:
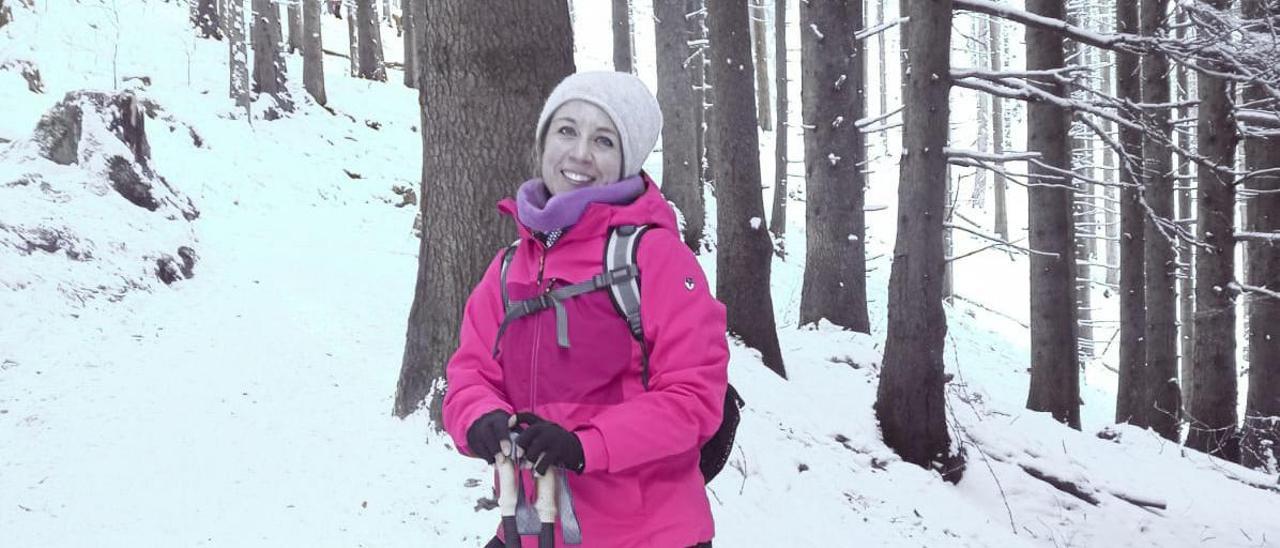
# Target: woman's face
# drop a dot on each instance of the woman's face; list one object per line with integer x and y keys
{"x": 581, "y": 149}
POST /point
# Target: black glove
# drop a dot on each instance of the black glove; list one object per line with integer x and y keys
{"x": 484, "y": 435}
{"x": 548, "y": 444}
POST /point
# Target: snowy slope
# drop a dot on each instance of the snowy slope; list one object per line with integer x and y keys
{"x": 250, "y": 404}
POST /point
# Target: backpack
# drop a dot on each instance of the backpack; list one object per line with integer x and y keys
{"x": 621, "y": 278}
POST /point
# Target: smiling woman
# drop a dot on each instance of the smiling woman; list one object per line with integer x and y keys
{"x": 581, "y": 149}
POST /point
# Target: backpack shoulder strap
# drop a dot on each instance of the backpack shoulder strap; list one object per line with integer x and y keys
{"x": 507, "y": 255}
{"x": 620, "y": 255}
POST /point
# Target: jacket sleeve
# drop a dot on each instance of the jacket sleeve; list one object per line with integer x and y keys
{"x": 474, "y": 378}
{"x": 684, "y": 328}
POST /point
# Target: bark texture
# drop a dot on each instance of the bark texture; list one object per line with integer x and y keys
{"x": 312, "y": 52}
{"x": 496, "y": 79}
{"x": 759, "y": 42}
{"x": 369, "y": 32}
{"x": 744, "y": 252}
{"x": 238, "y": 53}
{"x": 268, "y": 64}
{"x": 681, "y": 106}
{"x": 623, "y": 60}
{"x": 778, "y": 218}
{"x": 832, "y": 98}
{"x": 294, "y": 12}
{"x": 207, "y": 19}
{"x": 1131, "y": 392}
{"x": 910, "y": 399}
{"x": 1055, "y": 368}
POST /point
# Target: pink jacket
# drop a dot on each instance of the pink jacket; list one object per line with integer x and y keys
{"x": 641, "y": 485}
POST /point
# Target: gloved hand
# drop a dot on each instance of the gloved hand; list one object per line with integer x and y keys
{"x": 548, "y": 444}
{"x": 486, "y": 434}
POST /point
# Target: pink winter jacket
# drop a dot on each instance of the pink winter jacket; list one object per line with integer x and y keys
{"x": 641, "y": 485}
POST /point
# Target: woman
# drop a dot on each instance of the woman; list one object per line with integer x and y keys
{"x": 625, "y": 433}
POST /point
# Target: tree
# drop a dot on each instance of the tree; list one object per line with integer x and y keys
{"x": 1212, "y": 407}
{"x": 1130, "y": 393}
{"x": 1000, "y": 186}
{"x": 1262, "y": 153}
{"x": 207, "y": 19}
{"x": 622, "y": 57}
{"x": 410, "y": 46}
{"x": 312, "y": 52}
{"x": 496, "y": 79}
{"x": 268, "y": 65}
{"x": 910, "y": 400}
{"x": 778, "y": 219}
{"x": 1055, "y": 376}
{"x": 833, "y": 98}
{"x": 681, "y": 109}
{"x": 295, "y": 26}
{"x": 353, "y": 37}
{"x": 759, "y": 42}
{"x": 238, "y": 55}
{"x": 370, "y": 37}
{"x": 744, "y": 256}
{"x": 1159, "y": 411}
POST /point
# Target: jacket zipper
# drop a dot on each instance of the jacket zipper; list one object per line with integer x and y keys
{"x": 537, "y": 334}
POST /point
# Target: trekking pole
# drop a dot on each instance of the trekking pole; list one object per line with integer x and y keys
{"x": 506, "y": 469}
{"x": 546, "y": 506}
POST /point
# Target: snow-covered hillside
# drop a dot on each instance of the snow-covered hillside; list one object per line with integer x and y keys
{"x": 249, "y": 403}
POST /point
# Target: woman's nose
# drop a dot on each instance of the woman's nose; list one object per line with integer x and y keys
{"x": 581, "y": 150}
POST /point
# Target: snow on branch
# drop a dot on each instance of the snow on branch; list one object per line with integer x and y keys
{"x": 990, "y": 156}
{"x": 1246, "y": 236}
{"x": 872, "y": 31}
{"x": 1000, "y": 241}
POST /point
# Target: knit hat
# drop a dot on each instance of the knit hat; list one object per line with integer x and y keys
{"x": 627, "y": 101}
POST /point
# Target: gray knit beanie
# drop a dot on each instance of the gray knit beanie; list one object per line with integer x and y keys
{"x": 627, "y": 101}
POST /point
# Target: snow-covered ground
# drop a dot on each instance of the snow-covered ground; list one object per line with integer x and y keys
{"x": 250, "y": 404}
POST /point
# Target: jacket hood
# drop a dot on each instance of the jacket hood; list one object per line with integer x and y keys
{"x": 650, "y": 208}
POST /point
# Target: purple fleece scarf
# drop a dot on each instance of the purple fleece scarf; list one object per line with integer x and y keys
{"x": 542, "y": 212}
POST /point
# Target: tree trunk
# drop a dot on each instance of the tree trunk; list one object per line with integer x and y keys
{"x": 497, "y": 63}
{"x": 1084, "y": 218}
{"x": 623, "y": 60}
{"x": 832, "y": 99}
{"x": 1000, "y": 186}
{"x": 910, "y": 399}
{"x": 681, "y": 172}
{"x": 696, "y": 32}
{"x": 1110, "y": 194}
{"x": 1055, "y": 370}
{"x": 1130, "y": 393}
{"x": 353, "y": 37}
{"x": 268, "y": 64}
{"x": 410, "y": 47}
{"x": 978, "y": 198}
{"x": 883, "y": 64}
{"x": 744, "y": 256}
{"x": 295, "y": 26}
{"x": 759, "y": 41}
{"x": 1212, "y": 408}
{"x": 312, "y": 52}
{"x": 420, "y": 54}
{"x": 1185, "y": 212}
{"x": 207, "y": 19}
{"x": 370, "y": 36}
{"x": 1160, "y": 410}
{"x": 1261, "y": 438}
{"x": 238, "y": 53}
{"x": 778, "y": 220}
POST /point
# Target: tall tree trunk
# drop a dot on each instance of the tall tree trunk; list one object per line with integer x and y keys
{"x": 370, "y": 35}
{"x": 696, "y": 32}
{"x": 1185, "y": 213}
{"x": 1084, "y": 218}
{"x": 759, "y": 41}
{"x": 744, "y": 252}
{"x": 1212, "y": 408}
{"x": 1055, "y": 368}
{"x": 312, "y": 52}
{"x": 407, "y": 32}
{"x": 883, "y": 65}
{"x": 1110, "y": 194}
{"x": 268, "y": 64}
{"x": 1131, "y": 393}
{"x": 1261, "y": 440}
{"x": 207, "y": 19}
{"x": 778, "y": 220}
{"x": 623, "y": 60}
{"x": 496, "y": 62}
{"x": 238, "y": 53}
{"x": 681, "y": 106}
{"x": 295, "y": 26}
{"x": 1000, "y": 188}
{"x": 978, "y": 198}
{"x": 832, "y": 97}
{"x": 1160, "y": 410}
{"x": 353, "y": 37}
{"x": 910, "y": 399}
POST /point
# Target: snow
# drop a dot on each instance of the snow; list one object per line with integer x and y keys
{"x": 250, "y": 404}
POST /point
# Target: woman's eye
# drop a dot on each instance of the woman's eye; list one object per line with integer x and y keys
{"x": 605, "y": 142}
{"x": 567, "y": 131}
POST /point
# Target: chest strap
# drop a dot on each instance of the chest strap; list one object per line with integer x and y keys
{"x": 555, "y": 299}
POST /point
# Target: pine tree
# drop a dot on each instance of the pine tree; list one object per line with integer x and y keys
{"x": 744, "y": 252}
{"x": 833, "y": 98}
{"x": 910, "y": 400}
{"x": 369, "y": 34}
{"x": 238, "y": 55}
{"x": 681, "y": 107}
{"x": 1130, "y": 393}
{"x": 778, "y": 218}
{"x": 623, "y": 60}
{"x": 495, "y": 62}
{"x": 312, "y": 52}
{"x": 268, "y": 65}
{"x": 759, "y": 45}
